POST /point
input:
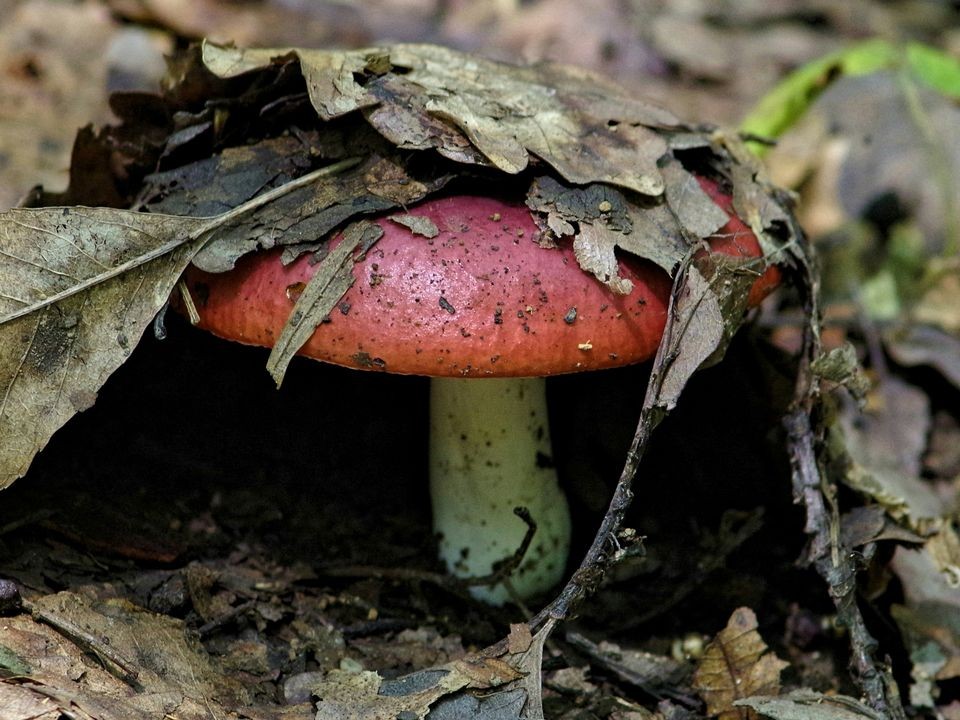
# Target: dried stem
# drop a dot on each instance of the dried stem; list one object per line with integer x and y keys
{"x": 814, "y": 489}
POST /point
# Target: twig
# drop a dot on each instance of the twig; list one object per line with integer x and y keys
{"x": 226, "y": 617}
{"x": 503, "y": 569}
{"x": 112, "y": 661}
{"x": 816, "y": 492}
{"x": 607, "y": 546}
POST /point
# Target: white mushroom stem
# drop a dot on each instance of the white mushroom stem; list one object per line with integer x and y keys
{"x": 489, "y": 453}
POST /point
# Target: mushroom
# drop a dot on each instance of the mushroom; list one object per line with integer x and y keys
{"x": 487, "y": 313}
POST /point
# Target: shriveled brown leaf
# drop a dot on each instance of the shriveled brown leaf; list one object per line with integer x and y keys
{"x": 709, "y": 299}
{"x": 885, "y": 443}
{"x": 810, "y": 705}
{"x": 737, "y": 665}
{"x": 929, "y": 618}
{"x": 417, "y": 224}
{"x": 600, "y": 219}
{"x": 361, "y": 186}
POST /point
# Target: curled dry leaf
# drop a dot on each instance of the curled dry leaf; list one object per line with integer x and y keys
{"x": 737, "y": 665}
{"x": 149, "y": 668}
{"x": 421, "y": 96}
{"x": 320, "y": 295}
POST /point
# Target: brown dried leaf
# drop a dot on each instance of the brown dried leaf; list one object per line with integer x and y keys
{"x": 306, "y": 215}
{"x": 810, "y": 705}
{"x": 601, "y": 219}
{"x": 587, "y": 129}
{"x": 333, "y": 278}
{"x": 508, "y": 682}
{"x": 885, "y": 444}
{"x": 150, "y": 667}
{"x": 736, "y": 665}
{"x": 417, "y": 224}
{"x": 698, "y": 214}
{"x": 708, "y": 305}
{"x": 81, "y": 285}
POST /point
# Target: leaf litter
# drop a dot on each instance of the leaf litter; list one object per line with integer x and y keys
{"x": 469, "y": 110}
{"x": 611, "y": 171}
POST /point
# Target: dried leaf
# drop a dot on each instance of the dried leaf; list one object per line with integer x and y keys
{"x": 926, "y": 345}
{"x": 81, "y": 285}
{"x": 311, "y": 213}
{"x": 417, "y": 224}
{"x": 840, "y": 366}
{"x": 736, "y": 665}
{"x": 601, "y": 219}
{"x": 810, "y": 705}
{"x": 694, "y": 332}
{"x": 150, "y": 666}
{"x": 510, "y": 685}
{"x": 657, "y": 675}
{"x": 885, "y": 444}
{"x": 698, "y": 214}
{"x": 583, "y": 127}
{"x": 333, "y": 278}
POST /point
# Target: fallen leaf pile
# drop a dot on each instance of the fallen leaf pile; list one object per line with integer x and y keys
{"x": 381, "y": 128}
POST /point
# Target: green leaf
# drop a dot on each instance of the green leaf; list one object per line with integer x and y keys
{"x": 780, "y": 108}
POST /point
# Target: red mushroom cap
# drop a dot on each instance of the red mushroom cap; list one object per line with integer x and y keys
{"x": 482, "y": 298}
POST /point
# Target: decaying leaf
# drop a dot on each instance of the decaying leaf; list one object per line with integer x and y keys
{"x": 810, "y": 705}
{"x": 418, "y": 224}
{"x": 507, "y": 682}
{"x": 926, "y": 345}
{"x": 600, "y": 219}
{"x": 841, "y": 366}
{"x": 929, "y": 619}
{"x": 708, "y": 293}
{"x": 657, "y": 675}
{"x": 694, "y": 331}
{"x": 307, "y": 215}
{"x": 527, "y": 111}
{"x": 149, "y": 668}
{"x": 320, "y": 296}
{"x": 81, "y": 285}
{"x": 476, "y": 111}
{"x": 697, "y": 213}
{"x": 884, "y": 445}
{"x": 737, "y": 665}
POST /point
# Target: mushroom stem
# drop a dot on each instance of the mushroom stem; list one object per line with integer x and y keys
{"x": 489, "y": 453}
